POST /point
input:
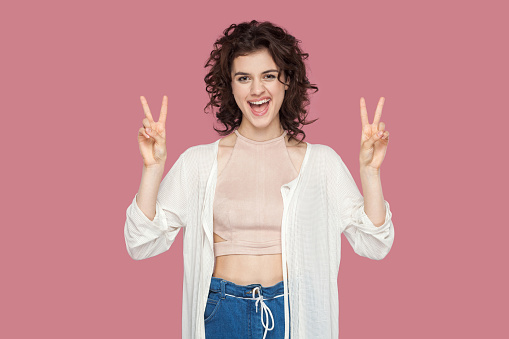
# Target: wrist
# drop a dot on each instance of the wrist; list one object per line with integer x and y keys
{"x": 370, "y": 171}
{"x": 154, "y": 168}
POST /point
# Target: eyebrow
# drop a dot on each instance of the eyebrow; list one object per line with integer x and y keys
{"x": 243, "y": 73}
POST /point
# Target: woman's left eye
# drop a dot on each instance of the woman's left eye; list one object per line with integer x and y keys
{"x": 245, "y": 78}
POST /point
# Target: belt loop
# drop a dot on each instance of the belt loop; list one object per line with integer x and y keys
{"x": 223, "y": 283}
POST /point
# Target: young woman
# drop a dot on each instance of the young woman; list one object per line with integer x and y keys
{"x": 262, "y": 212}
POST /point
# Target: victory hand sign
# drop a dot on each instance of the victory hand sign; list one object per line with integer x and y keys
{"x": 374, "y": 139}
{"x": 152, "y": 136}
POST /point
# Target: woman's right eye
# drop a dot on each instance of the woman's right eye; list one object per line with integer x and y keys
{"x": 242, "y": 78}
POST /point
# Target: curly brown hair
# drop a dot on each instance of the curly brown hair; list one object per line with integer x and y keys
{"x": 246, "y": 38}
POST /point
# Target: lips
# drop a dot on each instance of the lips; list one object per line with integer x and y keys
{"x": 259, "y": 99}
{"x": 260, "y": 110}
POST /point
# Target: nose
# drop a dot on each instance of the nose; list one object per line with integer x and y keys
{"x": 257, "y": 87}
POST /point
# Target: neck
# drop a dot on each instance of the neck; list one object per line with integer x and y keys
{"x": 261, "y": 134}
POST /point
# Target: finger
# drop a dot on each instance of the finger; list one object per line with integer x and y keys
{"x": 164, "y": 111}
{"x": 149, "y": 125}
{"x": 381, "y": 126}
{"x": 364, "y": 113}
{"x": 143, "y": 132}
{"x": 383, "y": 135}
{"x": 369, "y": 142}
{"x": 154, "y": 134}
{"x": 146, "y": 123}
{"x": 378, "y": 112}
{"x": 366, "y": 133}
{"x": 144, "y": 103}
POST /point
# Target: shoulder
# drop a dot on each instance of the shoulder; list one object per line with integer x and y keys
{"x": 327, "y": 159}
{"x": 228, "y": 141}
{"x": 196, "y": 159}
{"x": 201, "y": 152}
{"x": 225, "y": 149}
{"x": 296, "y": 148}
{"x": 324, "y": 151}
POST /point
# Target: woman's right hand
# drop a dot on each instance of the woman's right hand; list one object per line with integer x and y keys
{"x": 152, "y": 136}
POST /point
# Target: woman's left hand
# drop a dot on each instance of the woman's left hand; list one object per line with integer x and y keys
{"x": 373, "y": 145}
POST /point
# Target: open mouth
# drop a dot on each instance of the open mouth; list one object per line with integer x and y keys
{"x": 259, "y": 107}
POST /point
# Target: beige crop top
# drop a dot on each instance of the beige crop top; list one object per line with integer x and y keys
{"x": 248, "y": 206}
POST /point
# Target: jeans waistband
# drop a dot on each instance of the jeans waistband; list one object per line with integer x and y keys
{"x": 246, "y": 291}
{"x": 256, "y": 292}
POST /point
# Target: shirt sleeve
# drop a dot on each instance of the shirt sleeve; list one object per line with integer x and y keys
{"x": 146, "y": 238}
{"x": 366, "y": 239}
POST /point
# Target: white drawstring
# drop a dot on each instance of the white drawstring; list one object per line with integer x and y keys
{"x": 264, "y": 310}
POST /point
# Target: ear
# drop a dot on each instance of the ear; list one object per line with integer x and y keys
{"x": 287, "y": 83}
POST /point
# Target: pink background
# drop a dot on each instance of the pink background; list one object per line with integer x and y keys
{"x": 71, "y": 79}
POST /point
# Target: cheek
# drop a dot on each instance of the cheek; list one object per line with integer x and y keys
{"x": 236, "y": 96}
{"x": 239, "y": 93}
{"x": 278, "y": 90}
{"x": 281, "y": 95}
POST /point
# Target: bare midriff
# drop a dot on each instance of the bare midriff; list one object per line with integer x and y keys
{"x": 245, "y": 269}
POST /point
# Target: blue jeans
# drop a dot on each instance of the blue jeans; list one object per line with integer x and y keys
{"x": 244, "y": 311}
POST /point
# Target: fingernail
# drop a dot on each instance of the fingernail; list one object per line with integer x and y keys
{"x": 149, "y": 131}
{"x": 380, "y": 133}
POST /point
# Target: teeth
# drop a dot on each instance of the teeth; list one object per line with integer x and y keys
{"x": 259, "y": 102}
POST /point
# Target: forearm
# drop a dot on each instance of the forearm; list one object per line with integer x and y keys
{"x": 149, "y": 188}
{"x": 374, "y": 205}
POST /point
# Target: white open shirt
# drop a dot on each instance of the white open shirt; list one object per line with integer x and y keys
{"x": 320, "y": 204}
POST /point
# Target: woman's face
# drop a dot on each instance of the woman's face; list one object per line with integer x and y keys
{"x": 254, "y": 79}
